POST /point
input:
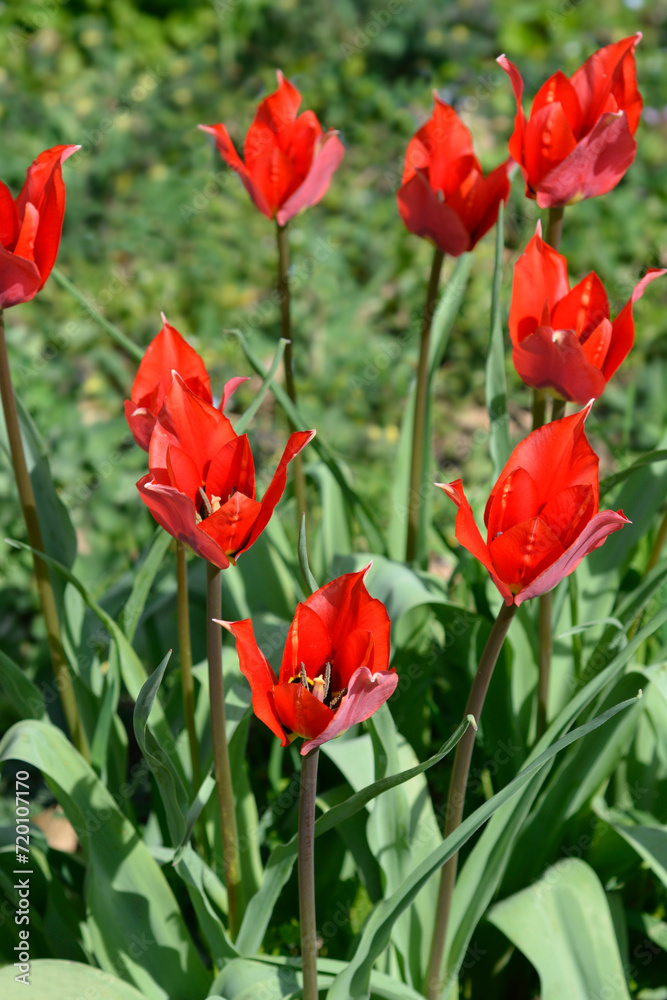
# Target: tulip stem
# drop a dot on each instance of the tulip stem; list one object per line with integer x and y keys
{"x": 286, "y": 334}
{"x": 185, "y": 652}
{"x": 45, "y": 590}
{"x": 555, "y": 226}
{"x": 558, "y": 409}
{"x": 306, "y": 867}
{"x": 221, "y": 765}
{"x": 419, "y": 443}
{"x": 457, "y": 790}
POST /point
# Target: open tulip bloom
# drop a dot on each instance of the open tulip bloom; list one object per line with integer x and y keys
{"x": 168, "y": 352}
{"x": 542, "y": 516}
{"x": 563, "y": 339}
{"x": 289, "y": 159}
{"x": 30, "y": 227}
{"x": 334, "y": 671}
{"x": 444, "y": 195}
{"x": 579, "y": 139}
{"x": 201, "y": 484}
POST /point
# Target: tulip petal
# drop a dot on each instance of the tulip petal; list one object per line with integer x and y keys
{"x": 516, "y": 142}
{"x": 300, "y": 711}
{"x": 366, "y": 692}
{"x": 230, "y": 388}
{"x": 232, "y": 470}
{"x": 523, "y": 551}
{"x": 9, "y": 220}
{"x": 583, "y": 308}
{"x": 176, "y": 513}
{"x": 514, "y": 501}
{"x": 258, "y": 672}
{"x": 308, "y": 642}
{"x": 555, "y": 360}
{"x": 592, "y": 537}
{"x": 190, "y": 423}
{"x": 25, "y": 245}
{"x": 567, "y": 512}
{"x": 296, "y": 442}
{"x": 19, "y": 279}
{"x": 426, "y": 216}
{"x": 184, "y": 474}
{"x": 227, "y": 151}
{"x": 594, "y": 167}
{"x": 468, "y": 534}
{"x": 596, "y": 346}
{"x": 558, "y": 90}
{"x": 623, "y": 327}
{"x": 231, "y": 525}
{"x": 442, "y": 147}
{"x": 610, "y": 72}
{"x": 548, "y": 141}
{"x": 478, "y": 199}
{"x": 540, "y": 276}
{"x": 327, "y": 156}
{"x": 356, "y": 650}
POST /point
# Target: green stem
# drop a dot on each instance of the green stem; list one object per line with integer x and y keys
{"x": 286, "y": 334}
{"x": 558, "y": 409}
{"x": 457, "y": 790}
{"x": 185, "y": 652}
{"x": 419, "y": 444}
{"x": 555, "y": 226}
{"x": 221, "y": 765}
{"x": 306, "y": 867}
{"x": 539, "y": 408}
{"x": 44, "y": 588}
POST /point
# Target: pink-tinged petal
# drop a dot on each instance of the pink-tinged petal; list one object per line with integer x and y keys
{"x": 296, "y": 442}
{"x": 230, "y": 388}
{"x": 44, "y": 188}
{"x": 610, "y": 72}
{"x": 231, "y": 525}
{"x": 328, "y": 153}
{"x": 231, "y": 157}
{"x": 583, "y": 308}
{"x": 232, "y": 470}
{"x": 555, "y": 360}
{"x": 25, "y": 245}
{"x": 516, "y": 143}
{"x": 568, "y": 512}
{"x": 594, "y": 167}
{"x": 300, "y": 711}
{"x": 141, "y": 423}
{"x": 345, "y": 606}
{"x": 365, "y": 694}
{"x": 468, "y": 534}
{"x": 514, "y": 500}
{"x": 558, "y": 456}
{"x": 548, "y": 140}
{"x": 592, "y": 537}
{"x": 523, "y": 551}
{"x": 308, "y": 642}
{"x": 19, "y": 279}
{"x": 426, "y": 216}
{"x": 623, "y": 327}
{"x": 258, "y": 672}
{"x": 540, "y": 276}
{"x": 9, "y": 220}
{"x": 176, "y": 513}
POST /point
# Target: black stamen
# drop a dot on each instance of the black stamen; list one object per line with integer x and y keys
{"x": 336, "y": 699}
{"x": 205, "y": 504}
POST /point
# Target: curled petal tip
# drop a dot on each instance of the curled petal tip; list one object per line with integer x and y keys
{"x": 164, "y": 318}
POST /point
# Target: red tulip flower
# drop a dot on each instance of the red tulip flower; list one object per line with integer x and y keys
{"x": 334, "y": 667}
{"x": 201, "y": 484}
{"x": 30, "y": 227}
{"x": 168, "y": 352}
{"x": 289, "y": 160}
{"x": 542, "y": 516}
{"x": 579, "y": 139}
{"x": 444, "y": 196}
{"x": 563, "y": 339}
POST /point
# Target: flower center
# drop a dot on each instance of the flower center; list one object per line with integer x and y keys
{"x": 208, "y": 505}
{"x": 320, "y": 686}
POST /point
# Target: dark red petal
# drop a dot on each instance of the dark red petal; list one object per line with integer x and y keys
{"x": 300, "y": 711}
{"x": 610, "y": 72}
{"x": 426, "y": 216}
{"x": 296, "y": 442}
{"x": 327, "y": 156}
{"x": 232, "y": 469}
{"x": 594, "y": 167}
{"x": 592, "y": 537}
{"x": 568, "y": 512}
{"x": 308, "y": 642}
{"x": 231, "y": 157}
{"x": 623, "y": 327}
{"x": 540, "y": 276}
{"x": 176, "y": 513}
{"x": 231, "y": 525}
{"x": 555, "y": 360}
{"x": 583, "y": 308}
{"x": 259, "y": 674}
{"x": 514, "y": 500}
{"x": 523, "y": 552}
{"x": 365, "y": 694}
{"x": 468, "y": 534}
{"x": 19, "y": 279}
{"x": 9, "y": 220}
{"x": 344, "y": 606}
{"x": 548, "y": 141}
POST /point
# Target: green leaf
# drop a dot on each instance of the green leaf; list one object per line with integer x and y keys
{"x": 649, "y": 458}
{"x": 243, "y": 422}
{"x": 308, "y": 578}
{"x": 135, "y": 352}
{"x": 134, "y": 922}
{"x": 25, "y": 697}
{"x": 60, "y": 980}
{"x": 279, "y": 865}
{"x": 143, "y": 581}
{"x": 334, "y": 535}
{"x": 650, "y": 842}
{"x": 353, "y": 982}
{"x": 562, "y": 924}
{"x": 202, "y": 883}
{"x": 496, "y": 382}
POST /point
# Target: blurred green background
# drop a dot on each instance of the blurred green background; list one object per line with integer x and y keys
{"x": 156, "y": 222}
